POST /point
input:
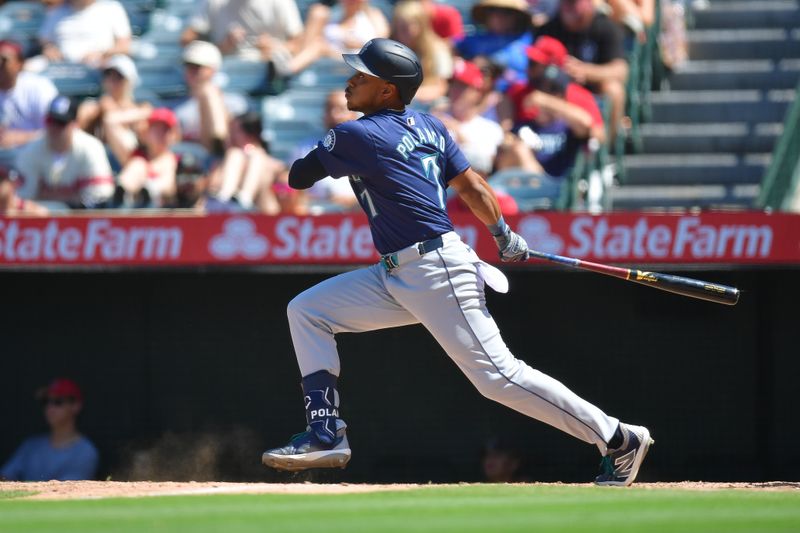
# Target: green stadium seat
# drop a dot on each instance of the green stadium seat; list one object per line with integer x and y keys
{"x": 74, "y": 79}
{"x": 532, "y": 191}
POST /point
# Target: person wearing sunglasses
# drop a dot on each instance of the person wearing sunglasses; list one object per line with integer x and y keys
{"x": 63, "y": 454}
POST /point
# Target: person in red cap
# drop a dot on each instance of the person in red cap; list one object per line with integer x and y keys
{"x": 152, "y": 168}
{"x": 546, "y": 59}
{"x": 63, "y": 454}
{"x": 24, "y": 98}
{"x": 551, "y": 116}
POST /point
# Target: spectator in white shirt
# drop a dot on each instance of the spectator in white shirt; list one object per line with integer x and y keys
{"x": 205, "y": 115}
{"x": 85, "y": 31}
{"x": 477, "y": 136}
{"x": 67, "y": 164}
{"x": 261, "y": 30}
{"x": 24, "y": 98}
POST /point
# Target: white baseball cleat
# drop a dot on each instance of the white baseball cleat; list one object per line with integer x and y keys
{"x": 620, "y": 466}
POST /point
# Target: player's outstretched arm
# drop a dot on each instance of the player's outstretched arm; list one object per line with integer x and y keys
{"x": 481, "y": 200}
{"x": 306, "y": 171}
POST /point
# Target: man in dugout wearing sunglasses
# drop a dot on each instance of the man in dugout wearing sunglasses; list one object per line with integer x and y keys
{"x": 63, "y": 454}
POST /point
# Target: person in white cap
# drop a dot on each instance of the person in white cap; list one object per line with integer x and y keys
{"x": 205, "y": 115}
{"x": 116, "y": 118}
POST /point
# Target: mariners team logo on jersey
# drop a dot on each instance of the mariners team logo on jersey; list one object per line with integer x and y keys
{"x": 330, "y": 140}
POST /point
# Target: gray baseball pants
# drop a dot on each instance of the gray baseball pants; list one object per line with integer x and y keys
{"x": 444, "y": 291}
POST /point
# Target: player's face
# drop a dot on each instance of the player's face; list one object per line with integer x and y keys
{"x": 366, "y": 93}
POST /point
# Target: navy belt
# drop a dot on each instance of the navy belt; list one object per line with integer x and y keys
{"x": 415, "y": 251}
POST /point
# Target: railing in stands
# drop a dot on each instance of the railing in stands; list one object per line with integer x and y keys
{"x": 783, "y": 175}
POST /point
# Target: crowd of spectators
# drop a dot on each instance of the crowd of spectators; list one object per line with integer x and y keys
{"x": 521, "y": 84}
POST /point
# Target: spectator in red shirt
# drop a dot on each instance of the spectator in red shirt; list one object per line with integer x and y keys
{"x": 552, "y": 117}
{"x": 549, "y": 52}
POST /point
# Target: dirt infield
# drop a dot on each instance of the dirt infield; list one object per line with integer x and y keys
{"x": 65, "y": 490}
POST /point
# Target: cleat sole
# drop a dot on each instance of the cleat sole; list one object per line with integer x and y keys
{"x": 296, "y": 463}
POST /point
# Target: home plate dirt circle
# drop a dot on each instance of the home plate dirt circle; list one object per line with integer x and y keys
{"x": 65, "y": 490}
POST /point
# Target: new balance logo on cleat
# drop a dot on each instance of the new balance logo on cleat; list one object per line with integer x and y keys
{"x": 620, "y": 467}
{"x": 624, "y": 464}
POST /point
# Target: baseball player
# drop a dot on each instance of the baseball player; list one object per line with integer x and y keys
{"x": 399, "y": 162}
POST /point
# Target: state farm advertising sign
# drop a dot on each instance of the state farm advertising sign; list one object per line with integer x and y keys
{"x": 719, "y": 238}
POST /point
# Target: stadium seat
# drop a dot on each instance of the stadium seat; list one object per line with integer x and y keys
{"x": 8, "y": 157}
{"x": 146, "y": 94}
{"x": 531, "y": 190}
{"x": 251, "y": 77}
{"x": 165, "y": 78}
{"x": 139, "y": 14}
{"x": 20, "y": 22}
{"x": 74, "y": 79}
{"x": 21, "y": 18}
{"x": 165, "y": 27}
{"x": 324, "y": 75}
{"x": 181, "y": 8}
{"x": 300, "y": 107}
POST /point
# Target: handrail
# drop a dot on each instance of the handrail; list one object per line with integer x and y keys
{"x": 778, "y": 181}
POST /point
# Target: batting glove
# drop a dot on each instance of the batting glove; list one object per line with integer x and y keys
{"x": 512, "y": 247}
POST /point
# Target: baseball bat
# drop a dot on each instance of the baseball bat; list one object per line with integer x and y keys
{"x": 703, "y": 290}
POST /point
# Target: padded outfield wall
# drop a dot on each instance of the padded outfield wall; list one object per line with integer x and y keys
{"x": 176, "y": 359}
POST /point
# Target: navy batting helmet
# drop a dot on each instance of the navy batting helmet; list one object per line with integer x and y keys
{"x": 390, "y": 61}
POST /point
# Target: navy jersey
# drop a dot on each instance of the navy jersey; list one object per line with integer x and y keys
{"x": 399, "y": 164}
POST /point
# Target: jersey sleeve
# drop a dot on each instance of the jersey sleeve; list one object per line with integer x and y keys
{"x": 347, "y": 150}
{"x": 455, "y": 163}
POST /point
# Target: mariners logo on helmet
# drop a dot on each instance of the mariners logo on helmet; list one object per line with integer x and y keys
{"x": 391, "y": 61}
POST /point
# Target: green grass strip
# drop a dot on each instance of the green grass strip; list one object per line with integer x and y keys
{"x": 484, "y": 509}
{"x": 9, "y": 494}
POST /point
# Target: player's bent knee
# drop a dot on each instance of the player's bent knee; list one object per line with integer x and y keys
{"x": 297, "y": 306}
